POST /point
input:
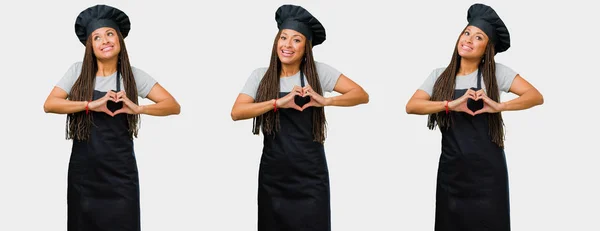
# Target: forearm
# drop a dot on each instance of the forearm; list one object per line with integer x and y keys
{"x": 425, "y": 107}
{"x": 527, "y": 100}
{"x": 350, "y": 98}
{"x": 162, "y": 108}
{"x": 251, "y": 110}
{"x": 64, "y": 106}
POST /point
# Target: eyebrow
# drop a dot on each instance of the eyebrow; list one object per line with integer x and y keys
{"x": 481, "y": 33}
{"x": 106, "y": 31}
{"x": 295, "y": 35}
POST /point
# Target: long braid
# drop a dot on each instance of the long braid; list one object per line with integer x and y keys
{"x": 133, "y": 120}
{"x": 269, "y": 89}
{"x": 310, "y": 70}
{"x": 79, "y": 124}
{"x": 495, "y": 121}
{"x": 446, "y": 83}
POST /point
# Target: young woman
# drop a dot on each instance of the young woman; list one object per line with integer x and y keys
{"x": 463, "y": 99}
{"x": 100, "y": 98}
{"x": 286, "y": 100}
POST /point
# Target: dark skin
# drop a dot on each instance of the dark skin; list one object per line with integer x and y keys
{"x": 471, "y": 47}
{"x": 106, "y": 49}
{"x": 291, "y": 51}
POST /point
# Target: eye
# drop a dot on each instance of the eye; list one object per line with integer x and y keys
{"x": 297, "y": 40}
{"x": 282, "y": 37}
{"x": 467, "y": 33}
{"x": 96, "y": 38}
{"x": 110, "y": 33}
{"x": 479, "y": 38}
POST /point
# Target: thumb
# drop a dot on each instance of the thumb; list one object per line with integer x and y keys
{"x": 120, "y": 111}
{"x": 307, "y": 105}
{"x": 480, "y": 111}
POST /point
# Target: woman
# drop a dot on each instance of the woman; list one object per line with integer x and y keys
{"x": 102, "y": 119}
{"x": 472, "y": 182}
{"x": 286, "y": 100}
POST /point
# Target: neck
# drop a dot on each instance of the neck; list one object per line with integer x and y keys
{"x": 106, "y": 67}
{"x": 468, "y": 66}
{"x": 289, "y": 69}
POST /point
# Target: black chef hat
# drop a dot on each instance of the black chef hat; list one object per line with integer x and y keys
{"x": 101, "y": 16}
{"x": 299, "y": 19}
{"x": 486, "y": 19}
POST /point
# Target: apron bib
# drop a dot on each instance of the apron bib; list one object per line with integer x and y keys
{"x": 472, "y": 180}
{"x": 103, "y": 190}
{"x": 293, "y": 187}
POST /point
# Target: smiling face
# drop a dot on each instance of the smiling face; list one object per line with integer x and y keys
{"x": 472, "y": 43}
{"x": 105, "y": 42}
{"x": 290, "y": 47}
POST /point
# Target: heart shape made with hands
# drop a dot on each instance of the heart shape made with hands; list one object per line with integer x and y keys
{"x": 112, "y": 105}
{"x": 475, "y": 105}
{"x": 301, "y": 100}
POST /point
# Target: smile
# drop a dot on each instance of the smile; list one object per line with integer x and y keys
{"x": 108, "y": 48}
{"x": 287, "y": 53}
{"x": 467, "y": 48}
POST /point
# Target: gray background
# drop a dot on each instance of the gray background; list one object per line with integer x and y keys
{"x": 198, "y": 170}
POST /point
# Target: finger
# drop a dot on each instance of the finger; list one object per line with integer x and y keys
{"x": 480, "y": 95}
{"x": 480, "y": 111}
{"x": 308, "y": 88}
{"x": 468, "y": 111}
{"x": 292, "y": 94}
{"x": 298, "y": 90}
{"x": 110, "y": 113}
{"x": 118, "y": 112}
{"x": 309, "y": 104}
{"x": 298, "y": 107}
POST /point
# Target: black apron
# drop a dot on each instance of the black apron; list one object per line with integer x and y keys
{"x": 293, "y": 179}
{"x": 103, "y": 190}
{"x": 472, "y": 180}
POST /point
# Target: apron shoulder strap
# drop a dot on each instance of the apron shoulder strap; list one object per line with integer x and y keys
{"x": 118, "y": 81}
{"x": 479, "y": 77}
{"x": 301, "y": 78}
{"x": 118, "y": 76}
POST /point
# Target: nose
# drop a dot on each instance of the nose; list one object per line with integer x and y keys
{"x": 469, "y": 39}
{"x": 288, "y": 43}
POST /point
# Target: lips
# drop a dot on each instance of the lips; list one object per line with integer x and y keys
{"x": 107, "y": 48}
{"x": 287, "y": 53}
{"x": 466, "y": 48}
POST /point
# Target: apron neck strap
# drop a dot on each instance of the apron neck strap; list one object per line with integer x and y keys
{"x": 479, "y": 77}
{"x": 301, "y": 78}
{"x": 118, "y": 76}
{"x": 118, "y": 82}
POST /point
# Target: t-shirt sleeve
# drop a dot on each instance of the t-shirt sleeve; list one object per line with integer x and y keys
{"x": 505, "y": 76}
{"x": 253, "y": 81}
{"x": 69, "y": 78}
{"x": 328, "y": 76}
{"x": 143, "y": 81}
{"x": 428, "y": 84}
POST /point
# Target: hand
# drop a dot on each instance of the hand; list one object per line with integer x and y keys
{"x": 489, "y": 105}
{"x": 316, "y": 100}
{"x": 288, "y": 100}
{"x": 99, "y": 105}
{"x": 129, "y": 107}
{"x": 460, "y": 104}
